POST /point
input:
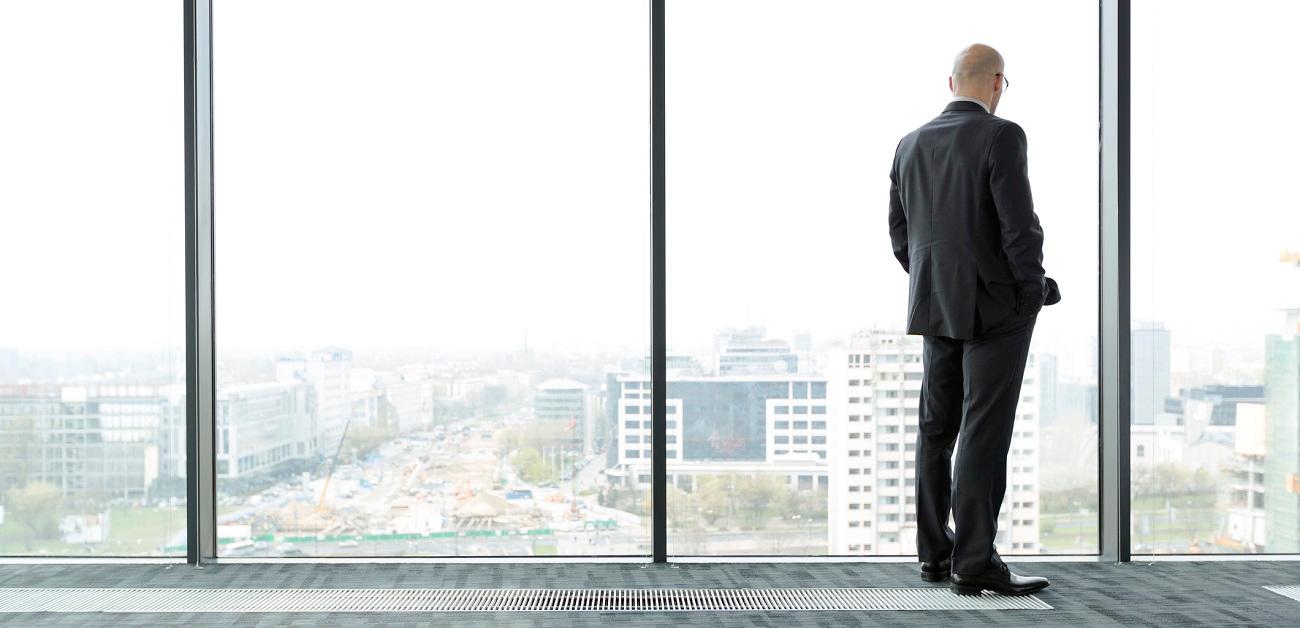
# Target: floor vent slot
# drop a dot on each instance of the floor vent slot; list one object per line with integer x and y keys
{"x": 1292, "y": 591}
{"x": 503, "y": 600}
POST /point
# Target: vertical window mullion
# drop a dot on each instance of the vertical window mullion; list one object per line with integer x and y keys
{"x": 1114, "y": 316}
{"x": 659, "y": 349}
{"x": 200, "y": 383}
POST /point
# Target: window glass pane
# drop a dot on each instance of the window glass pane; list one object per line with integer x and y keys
{"x": 433, "y": 250}
{"x": 1215, "y": 444}
{"x": 783, "y": 117}
{"x": 92, "y": 326}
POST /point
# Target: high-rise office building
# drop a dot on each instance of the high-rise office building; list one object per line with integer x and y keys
{"x": 717, "y": 425}
{"x": 748, "y": 350}
{"x": 328, "y": 372}
{"x": 1223, "y": 400}
{"x": 1247, "y": 517}
{"x": 560, "y": 400}
{"x": 387, "y": 400}
{"x": 404, "y": 406}
{"x": 1049, "y": 388}
{"x": 1150, "y": 353}
{"x": 566, "y": 400}
{"x": 875, "y": 390}
{"x": 1282, "y": 412}
{"x": 262, "y": 427}
{"x": 99, "y": 442}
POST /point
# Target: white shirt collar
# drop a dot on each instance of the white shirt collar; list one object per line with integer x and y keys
{"x": 974, "y": 100}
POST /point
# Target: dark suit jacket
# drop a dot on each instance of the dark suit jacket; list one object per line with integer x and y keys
{"x": 963, "y": 226}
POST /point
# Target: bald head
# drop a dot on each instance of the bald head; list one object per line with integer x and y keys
{"x": 976, "y": 62}
{"x": 975, "y": 74}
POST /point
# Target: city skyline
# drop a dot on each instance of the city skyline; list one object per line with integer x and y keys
{"x": 713, "y": 368}
{"x": 424, "y": 196}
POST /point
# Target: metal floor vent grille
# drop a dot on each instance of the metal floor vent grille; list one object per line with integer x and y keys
{"x": 1291, "y": 591}
{"x": 495, "y": 600}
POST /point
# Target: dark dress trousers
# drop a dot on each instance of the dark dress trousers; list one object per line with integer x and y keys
{"x": 963, "y": 226}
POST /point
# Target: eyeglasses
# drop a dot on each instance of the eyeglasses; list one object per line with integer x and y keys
{"x": 1006, "y": 84}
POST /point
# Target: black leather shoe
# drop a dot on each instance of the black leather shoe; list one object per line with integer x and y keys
{"x": 997, "y": 579}
{"x": 936, "y": 572}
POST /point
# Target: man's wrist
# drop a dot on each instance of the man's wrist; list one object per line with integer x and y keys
{"x": 1030, "y": 297}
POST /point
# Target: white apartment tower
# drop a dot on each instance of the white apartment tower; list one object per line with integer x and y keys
{"x": 874, "y": 386}
{"x": 328, "y": 372}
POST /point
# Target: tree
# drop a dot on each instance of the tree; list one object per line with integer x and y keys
{"x": 789, "y": 503}
{"x": 364, "y": 439}
{"x": 1167, "y": 480}
{"x": 167, "y": 487}
{"x": 37, "y": 506}
{"x": 711, "y": 498}
{"x": 531, "y": 467}
{"x": 534, "y": 435}
{"x": 816, "y": 504}
{"x": 1070, "y": 500}
{"x": 681, "y": 508}
{"x": 756, "y": 496}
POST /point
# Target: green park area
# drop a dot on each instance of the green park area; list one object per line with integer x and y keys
{"x": 1160, "y": 525}
{"x": 132, "y": 532}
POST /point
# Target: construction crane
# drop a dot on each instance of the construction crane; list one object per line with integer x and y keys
{"x": 320, "y": 506}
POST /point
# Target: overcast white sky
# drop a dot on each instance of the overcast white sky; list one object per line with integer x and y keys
{"x": 1214, "y": 169}
{"x": 455, "y": 173}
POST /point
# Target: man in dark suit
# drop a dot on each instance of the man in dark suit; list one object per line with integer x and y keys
{"x": 963, "y": 226}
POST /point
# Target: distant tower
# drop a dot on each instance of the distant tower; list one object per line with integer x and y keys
{"x": 1150, "y": 347}
{"x": 1282, "y": 424}
{"x": 749, "y": 351}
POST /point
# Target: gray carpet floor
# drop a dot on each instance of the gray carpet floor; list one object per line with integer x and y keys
{"x": 1082, "y": 594}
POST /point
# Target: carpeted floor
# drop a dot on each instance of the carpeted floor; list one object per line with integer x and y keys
{"x": 1082, "y": 594}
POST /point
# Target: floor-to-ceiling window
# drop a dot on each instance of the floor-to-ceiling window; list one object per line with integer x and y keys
{"x": 92, "y": 408}
{"x": 792, "y": 397}
{"x": 432, "y": 250}
{"x": 1215, "y": 278}
{"x": 432, "y": 277}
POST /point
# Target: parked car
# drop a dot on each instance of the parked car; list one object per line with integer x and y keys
{"x": 288, "y": 551}
{"x": 239, "y": 548}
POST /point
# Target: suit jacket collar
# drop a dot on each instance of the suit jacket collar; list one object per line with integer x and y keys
{"x": 964, "y": 105}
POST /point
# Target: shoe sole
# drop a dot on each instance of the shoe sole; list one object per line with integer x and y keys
{"x": 975, "y": 590}
{"x": 935, "y": 577}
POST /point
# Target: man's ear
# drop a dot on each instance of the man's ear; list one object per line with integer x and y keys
{"x": 950, "y": 87}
